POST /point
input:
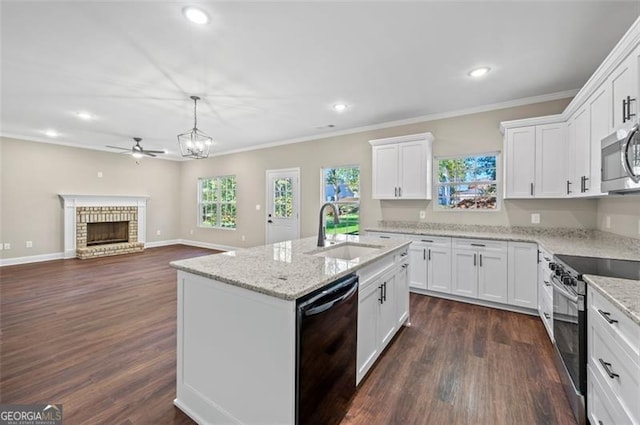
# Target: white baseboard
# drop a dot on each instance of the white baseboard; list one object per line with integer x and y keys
{"x": 31, "y": 259}
{"x": 209, "y": 245}
{"x": 60, "y": 255}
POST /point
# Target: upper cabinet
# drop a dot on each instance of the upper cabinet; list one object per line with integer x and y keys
{"x": 543, "y": 160}
{"x": 535, "y": 161}
{"x": 623, "y": 83}
{"x": 401, "y": 167}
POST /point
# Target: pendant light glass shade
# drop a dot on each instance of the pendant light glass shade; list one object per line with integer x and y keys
{"x": 195, "y": 143}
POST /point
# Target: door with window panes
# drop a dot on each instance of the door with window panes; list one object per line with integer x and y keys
{"x": 283, "y": 221}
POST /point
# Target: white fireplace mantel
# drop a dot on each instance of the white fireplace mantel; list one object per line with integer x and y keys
{"x": 71, "y": 202}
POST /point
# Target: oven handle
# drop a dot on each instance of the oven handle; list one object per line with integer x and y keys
{"x": 625, "y": 155}
{"x": 573, "y": 298}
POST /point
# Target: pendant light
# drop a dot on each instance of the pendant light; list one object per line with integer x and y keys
{"x": 195, "y": 143}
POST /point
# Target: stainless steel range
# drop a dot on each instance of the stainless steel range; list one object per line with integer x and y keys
{"x": 570, "y": 318}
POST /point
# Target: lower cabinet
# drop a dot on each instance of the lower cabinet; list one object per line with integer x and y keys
{"x": 383, "y": 300}
{"x": 430, "y": 258}
{"x": 523, "y": 273}
{"x": 613, "y": 381}
{"x": 480, "y": 269}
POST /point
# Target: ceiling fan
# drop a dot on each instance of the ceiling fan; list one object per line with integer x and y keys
{"x": 137, "y": 151}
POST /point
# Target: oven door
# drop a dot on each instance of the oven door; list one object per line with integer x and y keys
{"x": 570, "y": 333}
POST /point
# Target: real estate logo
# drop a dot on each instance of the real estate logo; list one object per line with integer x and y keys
{"x": 30, "y": 414}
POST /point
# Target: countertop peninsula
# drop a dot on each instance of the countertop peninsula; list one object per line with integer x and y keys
{"x": 288, "y": 269}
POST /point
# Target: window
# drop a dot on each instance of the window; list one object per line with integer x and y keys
{"x": 467, "y": 183}
{"x": 217, "y": 202}
{"x": 341, "y": 186}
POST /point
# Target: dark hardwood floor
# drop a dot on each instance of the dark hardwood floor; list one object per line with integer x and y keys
{"x": 99, "y": 337}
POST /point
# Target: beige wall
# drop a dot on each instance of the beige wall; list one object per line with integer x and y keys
{"x": 460, "y": 135}
{"x": 33, "y": 174}
{"x": 624, "y": 213}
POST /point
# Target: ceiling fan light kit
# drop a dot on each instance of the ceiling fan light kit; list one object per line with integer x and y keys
{"x": 195, "y": 143}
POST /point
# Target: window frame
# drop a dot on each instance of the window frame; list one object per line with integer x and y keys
{"x": 218, "y": 203}
{"x": 323, "y": 194}
{"x": 497, "y": 182}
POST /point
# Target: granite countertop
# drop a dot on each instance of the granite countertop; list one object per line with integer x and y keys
{"x": 623, "y": 293}
{"x": 286, "y": 270}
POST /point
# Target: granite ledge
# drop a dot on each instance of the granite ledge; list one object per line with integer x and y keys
{"x": 285, "y": 270}
{"x": 622, "y": 293}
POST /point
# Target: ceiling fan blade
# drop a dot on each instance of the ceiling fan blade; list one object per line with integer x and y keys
{"x": 149, "y": 154}
{"x": 118, "y": 147}
{"x": 160, "y": 152}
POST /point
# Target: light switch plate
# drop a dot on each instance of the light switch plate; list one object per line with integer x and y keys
{"x": 7, "y": 245}
{"x": 257, "y": 207}
{"x": 423, "y": 214}
{"x": 535, "y": 218}
{"x": 29, "y": 244}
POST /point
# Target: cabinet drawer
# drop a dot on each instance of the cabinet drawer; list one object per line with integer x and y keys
{"x": 620, "y": 327}
{"x": 479, "y": 244}
{"x": 546, "y": 313}
{"x": 370, "y": 273}
{"x": 384, "y": 235}
{"x": 546, "y": 283}
{"x": 619, "y": 374}
{"x": 432, "y": 240}
{"x": 603, "y": 409}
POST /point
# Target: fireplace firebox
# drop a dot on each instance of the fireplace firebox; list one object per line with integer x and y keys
{"x": 110, "y": 232}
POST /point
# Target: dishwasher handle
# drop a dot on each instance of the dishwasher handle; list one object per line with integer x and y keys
{"x": 331, "y": 297}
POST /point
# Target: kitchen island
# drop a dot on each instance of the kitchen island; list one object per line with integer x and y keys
{"x": 236, "y": 357}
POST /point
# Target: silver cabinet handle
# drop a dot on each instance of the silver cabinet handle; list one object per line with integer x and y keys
{"x": 426, "y": 240}
{"x": 477, "y": 244}
{"x": 395, "y": 190}
{"x": 531, "y": 189}
{"x": 546, "y": 283}
{"x": 424, "y": 254}
{"x": 429, "y": 254}
{"x": 569, "y": 187}
{"x": 606, "y": 315}
{"x": 399, "y": 192}
{"x": 546, "y": 316}
{"x": 480, "y": 260}
{"x": 474, "y": 259}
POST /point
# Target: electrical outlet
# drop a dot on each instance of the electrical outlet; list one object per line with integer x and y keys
{"x": 244, "y": 238}
{"x": 535, "y": 218}
{"x": 158, "y": 232}
{"x": 191, "y": 232}
{"x": 423, "y": 214}
{"x": 7, "y": 245}
{"x": 1, "y": 246}
{"x": 99, "y": 174}
{"x": 29, "y": 244}
{"x": 607, "y": 222}
{"x": 257, "y": 207}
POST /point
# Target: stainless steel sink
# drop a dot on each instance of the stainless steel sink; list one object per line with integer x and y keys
{"x": 347, "y": 251}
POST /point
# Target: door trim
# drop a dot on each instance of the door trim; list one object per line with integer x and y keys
{"x": 296, "y": 200}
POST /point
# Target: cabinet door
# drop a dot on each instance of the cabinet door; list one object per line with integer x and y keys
{"x": 402, "y": 295}
{"x": 388, "y": 318}
{"x": 520, "y": 149}
{"x": 492, "y": 276}
{"x": 551, "y": 161}
{"x": 523, "y": 274}
{"x": 412, "y": 171}
{"x": 464, "y": 273}
{"x": 418, "y": 265}
{"x": 439, "y": 269}
{"x": 368, "y": 340}
{"x": 385, "y": 171}
{"x": 623, "y": 82}
{"x": 581, "y": 153}
{"x": 599, "y": 115}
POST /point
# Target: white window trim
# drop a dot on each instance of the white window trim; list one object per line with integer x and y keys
{"x": 498, "y": 182}
{"x": 219, "y": 203}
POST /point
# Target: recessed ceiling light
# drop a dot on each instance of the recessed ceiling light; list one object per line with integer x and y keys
{"x": 479, "y": 72}
{"x": 339, "y": 107}
{"x": 51, "y": 133}
{"x": 84, "y": 115}
{"x": 195, "y": 15}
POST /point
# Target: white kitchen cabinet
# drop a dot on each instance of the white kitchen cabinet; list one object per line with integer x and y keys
{"x": 599, "y": 119}
{"x": 551, "y": 161}
{"x": 536, "y": 161}
{"x": 431, "y": 263}
{"x": 383, "y": 306}
{"x": 578, "y": 129}
{"x": 613, "y": 362}
{"x": 479, "y": 269}
{"x": 401, "y": 167}
{"x": 522, "y": 263}
{"x": 623, "y": 83}
{"x": 545, "y": 291}
{"x": 519, "y": 158}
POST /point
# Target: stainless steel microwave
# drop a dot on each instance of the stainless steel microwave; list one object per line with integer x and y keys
{"x": 621, "y": 161}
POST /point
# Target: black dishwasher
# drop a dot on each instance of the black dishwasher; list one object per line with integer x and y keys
{"x": 327, "y": 326}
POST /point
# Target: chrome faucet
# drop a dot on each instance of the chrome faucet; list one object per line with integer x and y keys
{"x": 336, "y": 220}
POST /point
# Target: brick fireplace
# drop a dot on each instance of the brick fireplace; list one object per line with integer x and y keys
{"x": 97, "y": 226}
